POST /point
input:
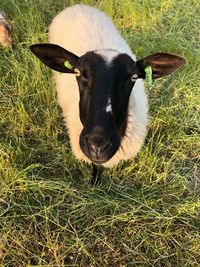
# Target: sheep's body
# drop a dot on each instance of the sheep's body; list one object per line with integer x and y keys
{"x": 80, "y": 29}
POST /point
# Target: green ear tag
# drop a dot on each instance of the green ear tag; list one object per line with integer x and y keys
{"x": 68, "y": 65}
{"x": 148, "y": 76}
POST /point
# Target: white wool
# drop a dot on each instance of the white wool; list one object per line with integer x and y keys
{"x": 80, "y": 29}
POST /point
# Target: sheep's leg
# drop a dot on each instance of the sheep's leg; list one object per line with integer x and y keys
{"x": 96, "y": 176}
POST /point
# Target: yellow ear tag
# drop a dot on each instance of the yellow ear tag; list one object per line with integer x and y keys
{"x": 148, "y": 75}
{"x": 68, "y": 65}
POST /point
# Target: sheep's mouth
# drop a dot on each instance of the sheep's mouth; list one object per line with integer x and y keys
{"x": 98, "y": 162}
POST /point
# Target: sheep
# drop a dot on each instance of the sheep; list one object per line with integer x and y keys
{"x": 5, "y": 30}
{"x": 104, "y": 103}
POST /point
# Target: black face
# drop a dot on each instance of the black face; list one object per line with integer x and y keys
{"x": 104, "y": 95}
{"x": 104, "y": 92}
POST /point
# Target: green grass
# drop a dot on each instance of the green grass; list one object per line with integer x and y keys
{"x": 146, "y": 212}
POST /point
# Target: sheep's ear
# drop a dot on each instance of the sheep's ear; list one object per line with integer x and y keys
{"x": 55, "y": 57}
{"x": 162, "y": 64}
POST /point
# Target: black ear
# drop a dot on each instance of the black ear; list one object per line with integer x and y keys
{"x": 55, "y": 57}
{"x": 162, "y": 64}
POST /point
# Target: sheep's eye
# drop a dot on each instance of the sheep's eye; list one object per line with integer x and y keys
{"x": 81, "y": 74}
{"x": 134, "y": 77}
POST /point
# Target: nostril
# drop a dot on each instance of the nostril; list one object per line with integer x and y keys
{"x": 107, "y": 144}
{"x": 111, "y": 139}
{"x": 92, "y": 147}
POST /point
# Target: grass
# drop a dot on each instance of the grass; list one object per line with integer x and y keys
{"x": 146, "y": 212}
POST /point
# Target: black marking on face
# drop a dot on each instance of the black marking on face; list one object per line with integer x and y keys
{"x": 124, "y": 67}
{"x": 105, "y": 80}
{"x": 105, "y": 89}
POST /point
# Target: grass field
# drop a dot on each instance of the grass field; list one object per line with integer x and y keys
{"x": 146, "y": 212}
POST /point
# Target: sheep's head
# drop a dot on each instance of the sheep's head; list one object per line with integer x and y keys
{"x": 105, "y": 79}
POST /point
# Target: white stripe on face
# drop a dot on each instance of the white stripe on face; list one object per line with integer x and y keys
{"x": 107, "y": 54}
{"x": 109, "y": 107}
